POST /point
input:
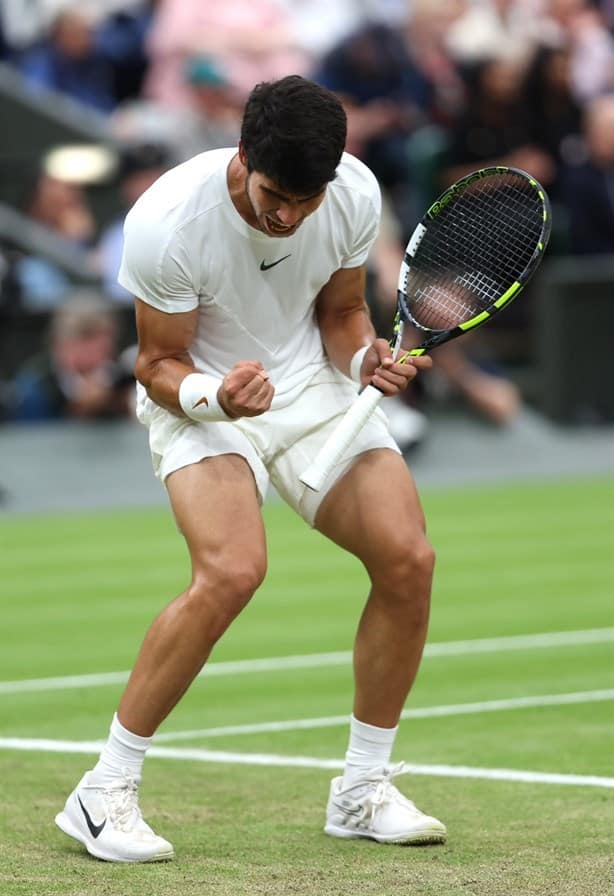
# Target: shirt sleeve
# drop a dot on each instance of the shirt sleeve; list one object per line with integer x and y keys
{"x": 368, "y": 216}
{"x": 155, "y": 265}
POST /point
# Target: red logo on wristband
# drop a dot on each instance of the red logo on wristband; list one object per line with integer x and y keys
{"x": 203, "y": 400}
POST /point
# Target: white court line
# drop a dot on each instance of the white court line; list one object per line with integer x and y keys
{"x": 276, "y": 761}
{"x": 321, "y": 660}
{"x": 426, "y": 712}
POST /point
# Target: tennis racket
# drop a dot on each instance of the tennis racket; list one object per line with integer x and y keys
{"x": 471, "y": 254}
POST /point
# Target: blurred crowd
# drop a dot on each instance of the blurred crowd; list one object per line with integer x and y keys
{"x": 433, "y": 89}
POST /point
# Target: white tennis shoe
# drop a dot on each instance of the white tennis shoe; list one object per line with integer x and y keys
{"x": 374, "y": 808}
{"x": 108, "y": 821}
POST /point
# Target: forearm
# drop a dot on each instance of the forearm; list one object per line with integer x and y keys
{"x": 343, "y": 333}
{"x": 162, "y": 380}
{"x": 343, "y": 317}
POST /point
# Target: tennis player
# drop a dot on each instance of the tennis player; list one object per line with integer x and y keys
{"x": 254, "y": 337}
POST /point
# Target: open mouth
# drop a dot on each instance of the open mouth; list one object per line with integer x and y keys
{"x": 276, "y": 227}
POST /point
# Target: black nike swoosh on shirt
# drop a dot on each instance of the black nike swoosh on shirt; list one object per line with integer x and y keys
{"x": 95, "y": 829}
{"x": 267, "y": 267}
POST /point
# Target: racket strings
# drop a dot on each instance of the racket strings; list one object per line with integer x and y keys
{"x": 473, "y": 251}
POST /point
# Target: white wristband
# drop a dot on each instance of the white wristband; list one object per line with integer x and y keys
{"x": 356, "y": 363}
{"x": 198, "y": 398}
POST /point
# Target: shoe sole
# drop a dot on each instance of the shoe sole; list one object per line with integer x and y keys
{"x": 414, "y": 838}
{"x": 67, "y": 827}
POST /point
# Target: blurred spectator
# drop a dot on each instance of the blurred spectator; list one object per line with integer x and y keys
{"x": 68, "y": 60}
{"x": 320, "y": 24}
{"x": 385, "y": 96}
{"x": 139, "y": 168}
{"x": 606, "y": 8}
{"x": 24, "y": 22}
{"x": 588, "y": 188}
{"x": 495, "y": 128}
{"x": 120, "y": 37}
{"x": 580, "y": 24}
{"x": 212, "y": 120}
{"x": 555, "y": 116}
{"x": 426, "y": 36}
{"x": 555, "y": 125}
{"x": 400, "y": 88}
{"x": 215, "y": 104}
{"x": 79, "y": 375}
{"x": 63, "y": 208}
{"x": 496, "y": 28}
{"x": 245, "y": 40}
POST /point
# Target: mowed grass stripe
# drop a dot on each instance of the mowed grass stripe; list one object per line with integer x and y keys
{"x": 426, "y": 712}
{"x": 558, "y": 503}
{"x": 52, "y": 566}
{"x": 564, "y": 510}
{"x": 471, "y": 647}
{"x": 583, "y": 571}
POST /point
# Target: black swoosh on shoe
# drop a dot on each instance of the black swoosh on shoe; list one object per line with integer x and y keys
{"x": 95, "y": 829}
{"x": 348, "y": 810}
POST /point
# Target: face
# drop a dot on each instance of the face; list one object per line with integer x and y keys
{"x": 278, "y": 213}
{"x": 85, "y": 353}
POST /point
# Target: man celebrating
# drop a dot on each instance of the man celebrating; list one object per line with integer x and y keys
{"x": 254, "y": 335}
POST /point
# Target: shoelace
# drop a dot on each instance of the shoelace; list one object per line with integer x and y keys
{"x": 384, "y": 791}
{"x": 122, "y": 803}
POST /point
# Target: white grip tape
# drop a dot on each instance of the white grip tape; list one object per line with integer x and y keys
{"x": 341, "y": 438}
{"x": 198, "y": 398}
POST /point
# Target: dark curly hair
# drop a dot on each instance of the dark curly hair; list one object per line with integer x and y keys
{"x": 294, "y": 132}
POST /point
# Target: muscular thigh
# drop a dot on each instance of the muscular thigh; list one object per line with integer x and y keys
{"x": 374, "y": 509}
{"x": 216, "y": 506}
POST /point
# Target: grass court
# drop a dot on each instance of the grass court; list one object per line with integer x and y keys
{"x": 509, "y": 728}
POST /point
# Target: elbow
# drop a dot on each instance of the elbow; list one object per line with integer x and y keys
{"x": 144, "y": 370}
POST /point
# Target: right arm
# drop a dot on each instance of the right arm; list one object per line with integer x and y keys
{"x": 164, "y": 361}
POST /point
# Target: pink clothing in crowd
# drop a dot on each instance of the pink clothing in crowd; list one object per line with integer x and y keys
{"x": 247, "y": 40}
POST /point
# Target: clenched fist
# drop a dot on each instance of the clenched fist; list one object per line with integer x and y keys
{"x": 246, "y": 391}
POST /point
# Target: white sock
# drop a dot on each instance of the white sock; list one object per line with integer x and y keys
{"x": 123, "y": 751}
{"x": 370, "y": 747}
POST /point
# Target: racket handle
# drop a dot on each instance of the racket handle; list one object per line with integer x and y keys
{"x": 341, "y": 438}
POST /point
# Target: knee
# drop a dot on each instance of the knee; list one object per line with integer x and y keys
{"x": 219, "y": 591}
{"x": 405, "y": 573}
{"x": 422, "y": 558}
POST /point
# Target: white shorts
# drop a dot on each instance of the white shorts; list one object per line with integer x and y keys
{"x": 278, "y": 445}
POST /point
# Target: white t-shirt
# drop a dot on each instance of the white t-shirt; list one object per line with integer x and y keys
{"x": 186, "y": 246}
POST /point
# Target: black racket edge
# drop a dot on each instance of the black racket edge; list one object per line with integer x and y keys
{"x": 441, "y": 336}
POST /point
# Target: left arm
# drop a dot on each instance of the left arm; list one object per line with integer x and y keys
{"x": 345, "y": 326}
{"x": 343, "y": 316}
